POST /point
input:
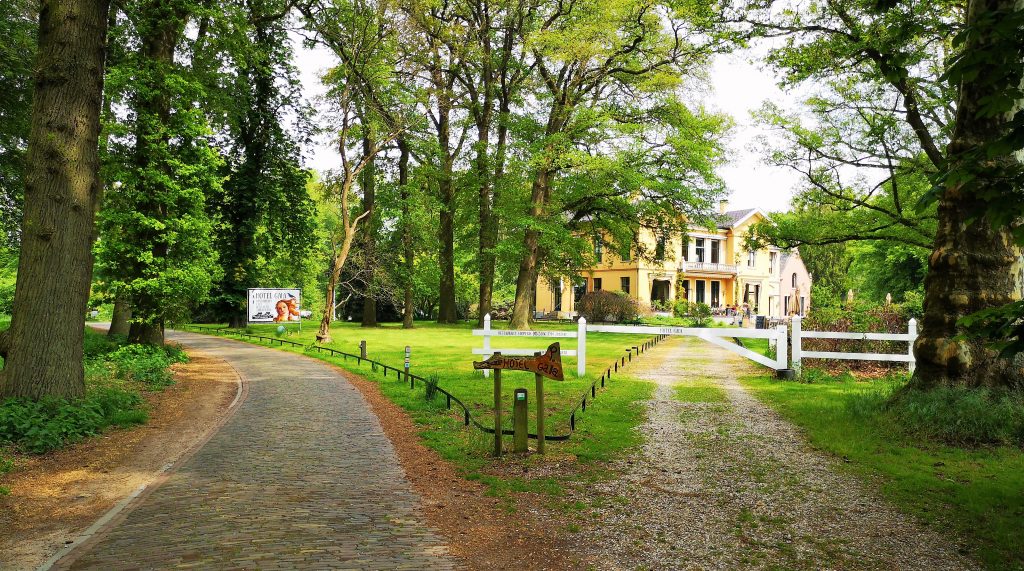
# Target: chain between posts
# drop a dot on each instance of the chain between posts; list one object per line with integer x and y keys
{"x": 468, "y": 419}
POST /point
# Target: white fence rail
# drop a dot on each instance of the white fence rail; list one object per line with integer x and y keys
{"x": 717, "y": 336}
{"x": 799, "y": 354}
{"x": 580, "y": 335}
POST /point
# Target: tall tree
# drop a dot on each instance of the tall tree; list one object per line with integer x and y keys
{"x": 157, "y": 236}
{"x": 62, "y": 191}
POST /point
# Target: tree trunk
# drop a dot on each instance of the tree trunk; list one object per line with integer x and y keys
{"x": 408, "y": 252}
{"x": 324, "y": 334}
{"x": 369, "y": 185}
{"x": 526, "y": 281}
{"x": 62, "y": 188}
{"x": 122, "y": 314}
{"x": 447, "y": 312}
{"x": 973, "y": 265}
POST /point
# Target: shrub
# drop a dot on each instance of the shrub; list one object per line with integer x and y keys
{"x": 700, "y": 314}
{"x": 147, "y": 364}
{"x": 608, "y": 306}
{"x": 681, "y": 308}
{"x": 48, "y": 424}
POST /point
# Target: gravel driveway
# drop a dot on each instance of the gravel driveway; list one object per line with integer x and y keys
{"x": 730, "y": 484}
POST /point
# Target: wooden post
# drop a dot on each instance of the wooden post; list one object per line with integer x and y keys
{"x": 581, "y": 347}
{"x": 540, "y": 411}
{"x": 487, "y": 340}
{"x": 797, "y": 346}
{"x": 362, "y": 349}
{"x": 912, "y": 335}
{"x": 520, "y": 418}
{"x": 497, "y": 411}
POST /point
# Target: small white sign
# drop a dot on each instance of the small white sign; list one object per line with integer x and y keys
{"x": 273, "y": 305}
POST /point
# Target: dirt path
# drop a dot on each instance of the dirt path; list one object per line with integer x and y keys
{"x": 725, "y": 485}
{"x": 55, "y": 497}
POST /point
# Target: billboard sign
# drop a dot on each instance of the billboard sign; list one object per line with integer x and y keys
{"x": 273, "y": 305}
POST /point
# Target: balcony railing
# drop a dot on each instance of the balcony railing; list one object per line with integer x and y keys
{"x": 687, "y": 266}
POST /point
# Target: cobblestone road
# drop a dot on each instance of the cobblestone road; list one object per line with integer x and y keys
{"x": 301, "y": 477}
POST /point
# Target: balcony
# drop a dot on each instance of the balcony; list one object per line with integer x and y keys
{"x": 708, "y": 267}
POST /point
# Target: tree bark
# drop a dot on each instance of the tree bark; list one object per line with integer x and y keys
{"x": 447, "y": 312}
{"x": 369, "y": 238}
{"x": 62, "y": 190}
{"x": 526, "y": 281}
{"x": 973, "y": 265}
{"x": 122, "y": 314}
{"x": 408, "y": 253}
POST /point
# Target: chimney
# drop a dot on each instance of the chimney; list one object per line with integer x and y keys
{"x": 723, "y": 206}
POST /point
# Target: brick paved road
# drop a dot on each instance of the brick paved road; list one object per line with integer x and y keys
{"x": 301, "y": 477}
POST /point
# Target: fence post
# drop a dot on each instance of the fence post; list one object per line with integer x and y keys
{"x": 487, "y": 341}
{"x": 362, "y": 349}
{"x": 781, "y": 347}
{"x": 798, "y": 346}
{"x": 581, "y": 347}
{"x": 912, "y": 335}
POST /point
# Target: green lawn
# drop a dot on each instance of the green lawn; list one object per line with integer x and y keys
{"x": 979, "y": 492}
{"x": 604, "y": 430}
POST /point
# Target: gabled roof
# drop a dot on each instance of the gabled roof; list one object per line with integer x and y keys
{"x": 733, "y": 218}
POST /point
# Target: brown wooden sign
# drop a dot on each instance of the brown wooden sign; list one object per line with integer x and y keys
{"x": 549, "y": 364}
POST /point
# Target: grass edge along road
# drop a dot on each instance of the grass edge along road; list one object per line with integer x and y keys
{"x": 978, "y": 492}
{"x": 607, "y": 428}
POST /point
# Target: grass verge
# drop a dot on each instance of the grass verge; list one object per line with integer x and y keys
{"x": 977, "y": 491}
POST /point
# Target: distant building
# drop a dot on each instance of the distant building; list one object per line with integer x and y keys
{"x": 713, "y": 267}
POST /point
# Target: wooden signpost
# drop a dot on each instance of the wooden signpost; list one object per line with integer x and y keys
{"x": 547, "y": 364}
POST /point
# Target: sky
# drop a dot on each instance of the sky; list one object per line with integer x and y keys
{"x": 737, "y": 88}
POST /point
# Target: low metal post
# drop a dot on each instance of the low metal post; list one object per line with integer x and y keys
{"x": 519, "y": 420}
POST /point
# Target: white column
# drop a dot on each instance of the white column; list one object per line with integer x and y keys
{"x": 487, "y": 341}
{"x": 781, "y": 358}
{"x": 912, "y": 334}
{"x": 581, "y": 347}
{"x": 797, "y": 345}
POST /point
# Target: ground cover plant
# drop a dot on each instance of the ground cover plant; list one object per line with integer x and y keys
{"x": 445, "y": 351}
{"x": 116, "y": 376}
{"x": 951, "y": 458}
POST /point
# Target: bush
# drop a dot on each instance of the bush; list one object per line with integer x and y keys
{"x": 147, "y": 364}
{"x": 608, "y": 306}
{"x": 700, "y": 314}
{"x": 48, "y": 424}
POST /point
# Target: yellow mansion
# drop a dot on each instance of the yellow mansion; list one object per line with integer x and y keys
{"x": 712, "y": 267}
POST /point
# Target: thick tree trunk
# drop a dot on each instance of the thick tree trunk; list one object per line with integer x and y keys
{"x": 62, "y": 189}
{"x": 122, "y": 314}
{"x": 447, "y": 312}
{"x": 324, "y": 334}
{"x": 408, "y": 253}
{"x": 526, "y": 281}
{"x": 369, "y": 238}
{"x": 973, "y": 265}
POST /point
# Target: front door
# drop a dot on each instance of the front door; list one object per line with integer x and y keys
{"x": 716, "y": 294}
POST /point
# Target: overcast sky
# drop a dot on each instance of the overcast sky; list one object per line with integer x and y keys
{"x": 738, "y": 87}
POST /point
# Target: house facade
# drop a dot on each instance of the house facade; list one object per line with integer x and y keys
{"x": 709, "y": 266}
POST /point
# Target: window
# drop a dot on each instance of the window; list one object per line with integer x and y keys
{"x": 556, "y": 294}
{"x": 579, "y": 290}
{"x": 659, "y": 249}
{"x": 716, "y": 248}
{"x": 751, "y": 258}
{"x": 598, "y": 250}
{"x": 699, "y": 249}
{"x": 794, "y": 279}
{"x": 802, "y": 302}
{"x": 685, "y": 248}
{"x": 785, "y": 305}
{"x": 686, "y": 290}
{"x": 773, "y": 261}
{"x": 624, "y": 284}
{"x": 597, "y": 284}
{"x": 700, "y": 290}
{"x": 716, "y": 294}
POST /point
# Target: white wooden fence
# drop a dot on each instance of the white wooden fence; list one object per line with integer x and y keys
{"x": 719, "y": 336}
{"x": 580, "y": 335}
{"x": 799, "y": 354}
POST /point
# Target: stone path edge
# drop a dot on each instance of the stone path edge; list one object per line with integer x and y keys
{"x": 115, "y": 515}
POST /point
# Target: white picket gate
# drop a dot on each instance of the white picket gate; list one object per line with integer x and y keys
{"x": 716, "y": 336}
{"x": 799, "y": 354}
{"x": 580, "y": 335}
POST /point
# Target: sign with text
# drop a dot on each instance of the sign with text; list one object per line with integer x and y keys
{"x": 273, "y": 305}
{"x": 549, "y": 364}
